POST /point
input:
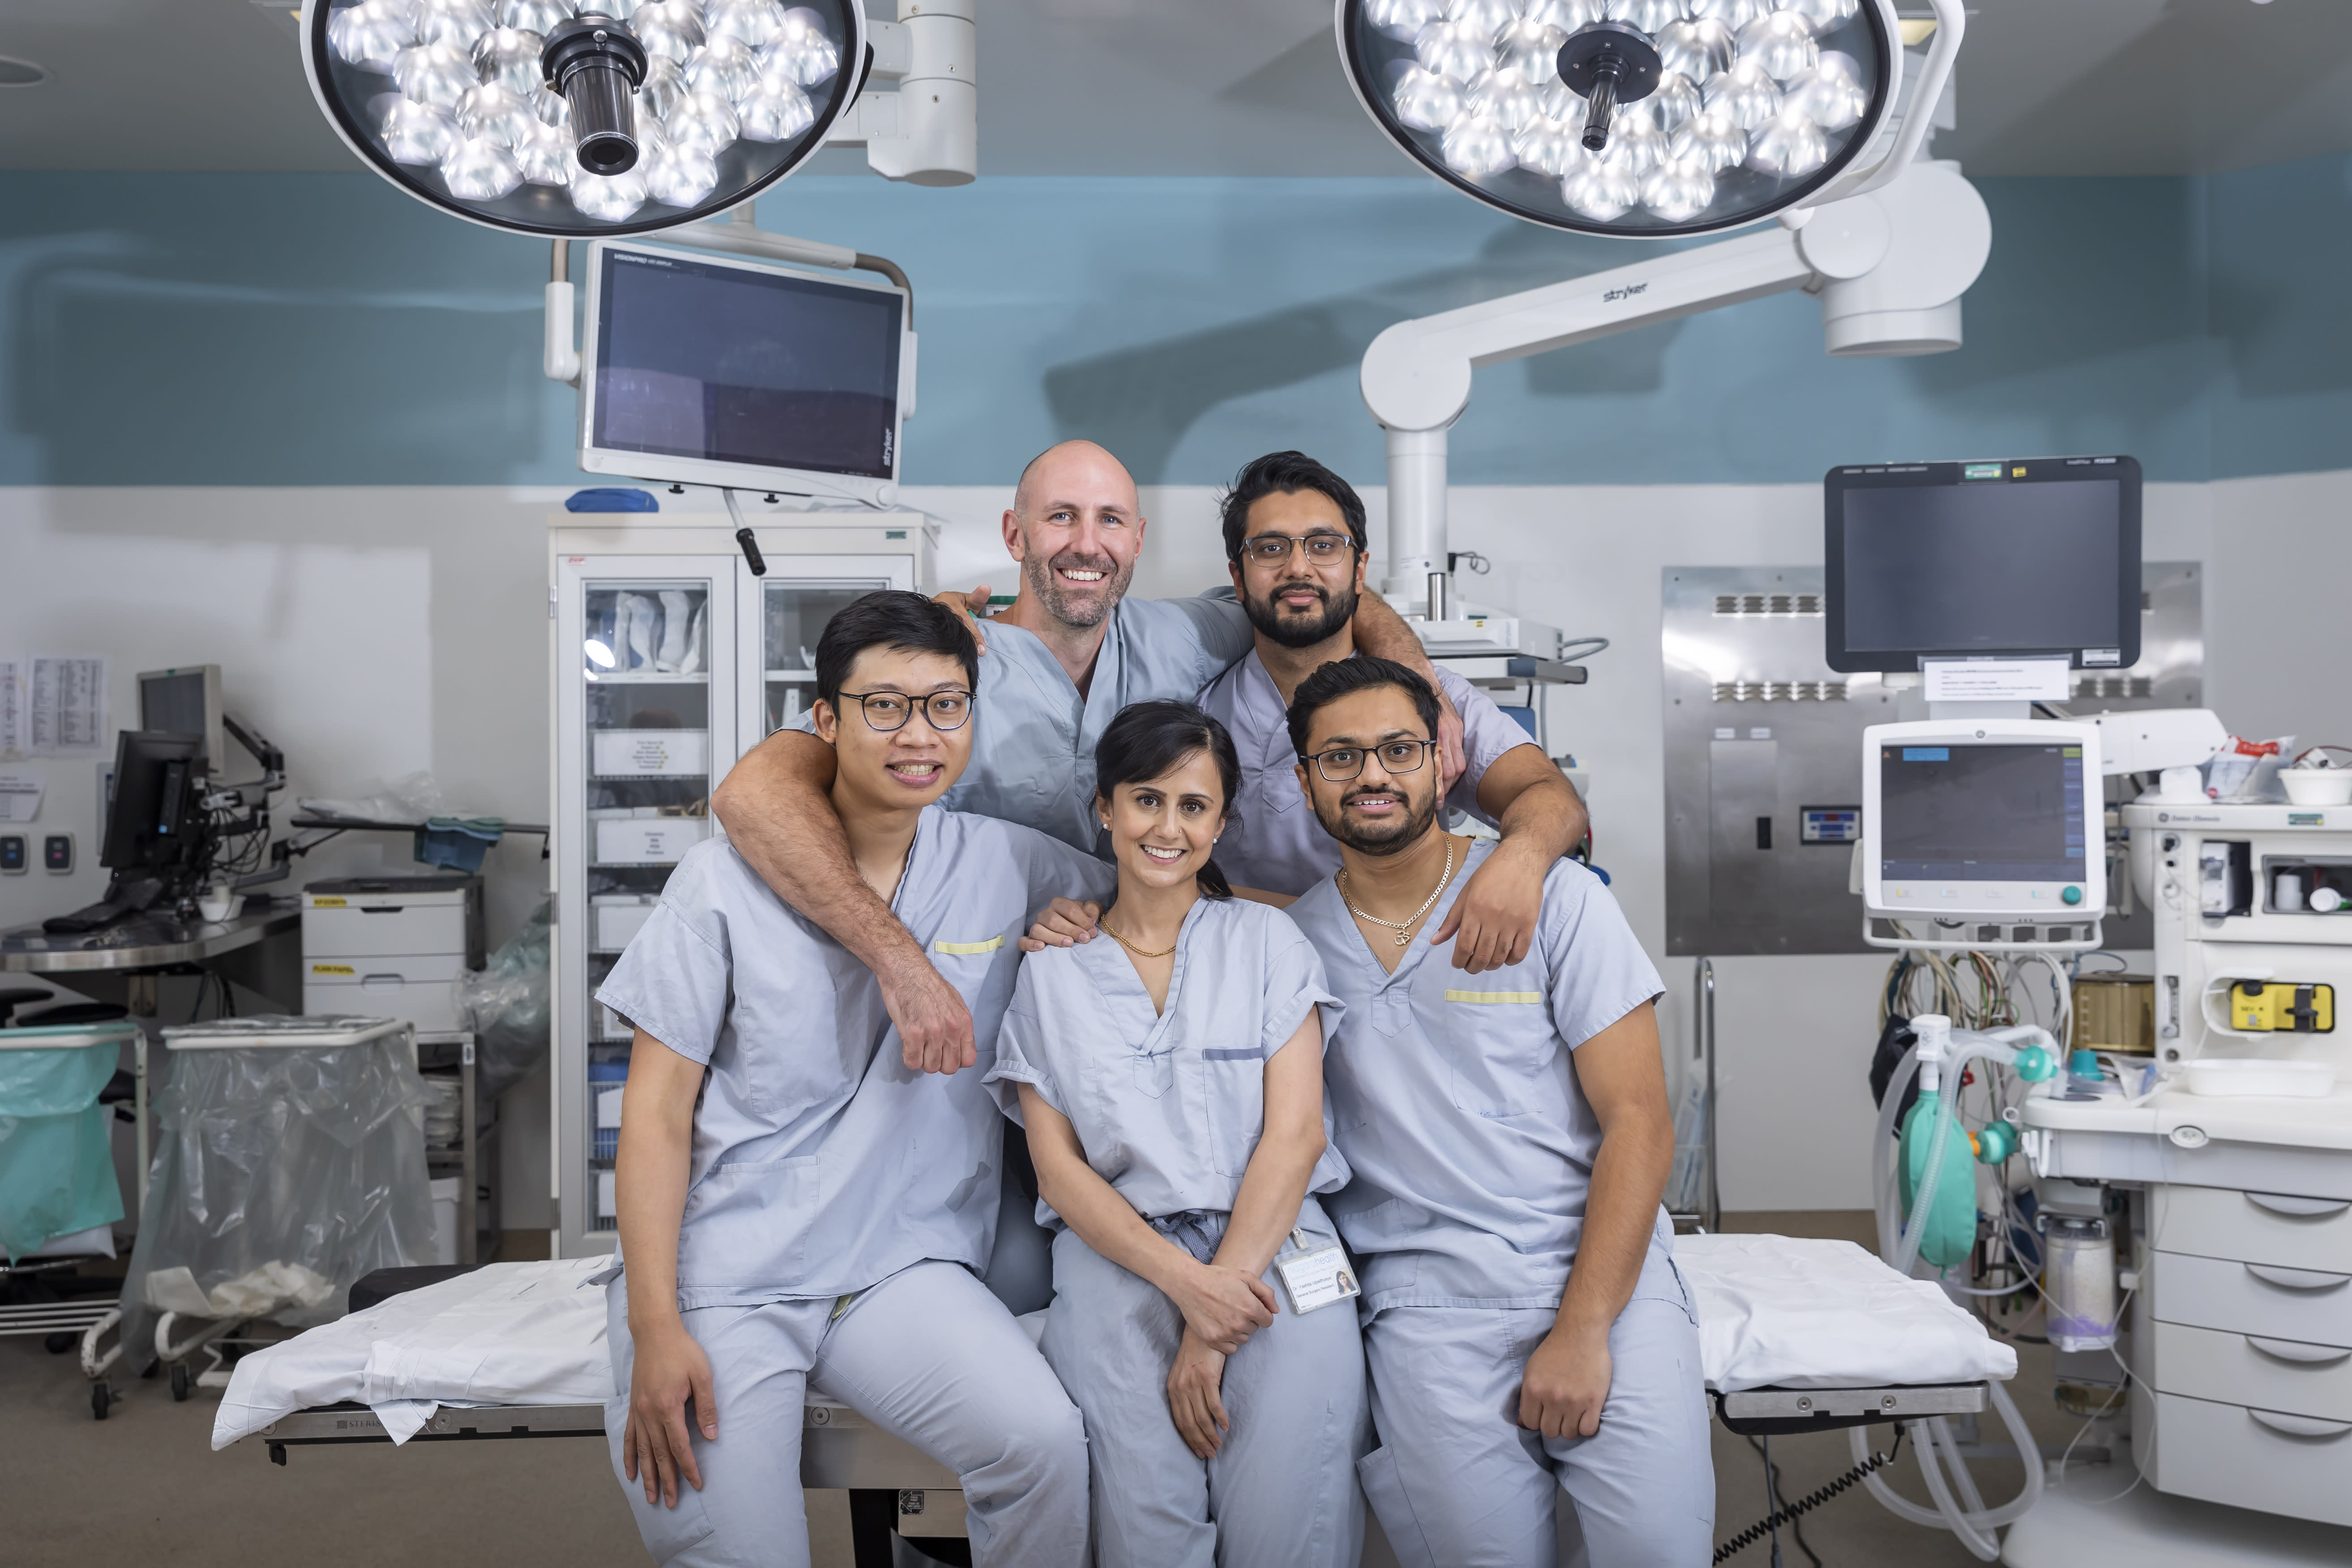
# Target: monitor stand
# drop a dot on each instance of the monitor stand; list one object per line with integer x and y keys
{"x": 125, "y": 897}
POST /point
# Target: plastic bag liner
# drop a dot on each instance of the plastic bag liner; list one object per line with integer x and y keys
{"x": 505, "y": 1005}
{"x": 282, "y": 1173}
{"x": 57, "y": 1159}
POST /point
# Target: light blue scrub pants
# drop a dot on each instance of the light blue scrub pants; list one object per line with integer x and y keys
{"x": 1281, "y": 1491}
{"x": 1458, "y": 1483}
{"x": 929, "y": 1356}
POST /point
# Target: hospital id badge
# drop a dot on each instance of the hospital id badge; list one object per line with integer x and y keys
{"x": 1317, "y": 1279}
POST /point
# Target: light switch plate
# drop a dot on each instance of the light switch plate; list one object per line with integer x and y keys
{"x": 57, "y": 853}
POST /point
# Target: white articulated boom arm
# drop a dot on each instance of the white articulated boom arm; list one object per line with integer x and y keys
{"x": 1889, "y": 269}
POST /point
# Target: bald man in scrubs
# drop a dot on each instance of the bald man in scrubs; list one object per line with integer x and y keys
{"x": 1071, "y": 652}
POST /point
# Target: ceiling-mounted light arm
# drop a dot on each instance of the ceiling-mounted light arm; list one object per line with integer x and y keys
{"x": 1943, "y": 48}
{"x": 560, "y": 354}
{"x": 1889, "y": 269}
{"x": 1416, "y": 375}
{"x": 926, "y": 130}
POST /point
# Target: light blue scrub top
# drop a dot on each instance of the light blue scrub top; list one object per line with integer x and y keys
{"x": 1033, "y": 736}
{"x": 822, "y": 1165}
{"x": 1277, "y": 845}
{"x": 1456, "y": 1098}
{"x": 1168, "y": 1106}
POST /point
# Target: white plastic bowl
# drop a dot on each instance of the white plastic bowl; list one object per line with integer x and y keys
{"x": 2250, "y": 1076}
{"x": 2317, "y": 786}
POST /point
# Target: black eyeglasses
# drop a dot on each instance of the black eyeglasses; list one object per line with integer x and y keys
{"x": 1341, "y": 763}
{"x": 1274, "y": 549}
{"x": 888, "y": 710}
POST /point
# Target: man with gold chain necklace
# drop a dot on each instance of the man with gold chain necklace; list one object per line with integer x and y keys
{"x": 1526, "y": 1329}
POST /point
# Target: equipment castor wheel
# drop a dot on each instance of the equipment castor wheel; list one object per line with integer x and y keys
{"x": 100, "y": 1396}
{"x": 180, "y": 1382}
{"x": 58, "y": 1344}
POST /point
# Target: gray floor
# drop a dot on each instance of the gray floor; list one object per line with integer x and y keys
{"x": 144, "y": 1486}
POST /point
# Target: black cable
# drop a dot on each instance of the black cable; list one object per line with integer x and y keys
{"x": 1789, "y": 1515}
{"x": 1763, "y": 1449}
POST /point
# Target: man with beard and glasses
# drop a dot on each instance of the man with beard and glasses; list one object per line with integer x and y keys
{"x": 1525, "y": 1329}
{"x": 1295, "y": 543}
{"x": 1071, "y": 652}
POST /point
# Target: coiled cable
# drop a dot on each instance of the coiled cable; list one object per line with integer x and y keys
{"x": 1809, "y": 1502}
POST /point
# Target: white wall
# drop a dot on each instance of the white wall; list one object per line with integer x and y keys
{"x": 376, "y": 632}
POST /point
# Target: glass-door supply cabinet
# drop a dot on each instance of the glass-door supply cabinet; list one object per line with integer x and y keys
{"x": 671, "y": 660}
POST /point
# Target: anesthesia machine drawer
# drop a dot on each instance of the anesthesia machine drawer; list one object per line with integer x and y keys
{"x": 2248, "y": 1369}
{"x": 2305, "y": 1305}
{"x": 2253, "y": 1227}
{"x": 2275, "y": 1461}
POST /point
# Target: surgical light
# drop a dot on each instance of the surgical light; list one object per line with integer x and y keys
{"x": 582, "y": 118}
{"x": 1628, "y": 117}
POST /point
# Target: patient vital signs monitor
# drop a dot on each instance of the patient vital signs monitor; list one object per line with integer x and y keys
{"x": 702, "y": 369}
{"x": 2018, "y": 559}
{"x": 1990, "y": 821}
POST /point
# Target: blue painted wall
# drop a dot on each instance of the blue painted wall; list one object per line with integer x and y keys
{"x": 327, "y": 330}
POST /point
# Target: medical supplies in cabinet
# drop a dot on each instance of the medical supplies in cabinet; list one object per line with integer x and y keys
{"x": 676, "y": 651}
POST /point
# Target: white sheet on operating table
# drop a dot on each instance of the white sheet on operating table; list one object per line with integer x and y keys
{"x": 1772, "y": 1309}
{"x": 511, "y": 1334}
{"x": 1796, "y": 1312}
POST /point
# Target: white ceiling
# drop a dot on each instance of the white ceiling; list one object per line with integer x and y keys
{"x": 1242, "y": 87}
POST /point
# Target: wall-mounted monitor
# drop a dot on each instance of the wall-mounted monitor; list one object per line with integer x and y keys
{"x": 2022, "y": 558}
{"x": 716, "y": 370}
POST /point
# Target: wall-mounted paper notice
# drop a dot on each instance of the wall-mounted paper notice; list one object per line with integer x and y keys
{"x": 64, "y": 706}
{"x": 12, "y": 706}
{"x": 20, "y": 797}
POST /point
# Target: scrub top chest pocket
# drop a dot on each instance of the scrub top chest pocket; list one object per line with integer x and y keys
{"x": 981, "y": 966}
{"x": 1232, "y": 1095}
{"x": 1495, "y": 1030}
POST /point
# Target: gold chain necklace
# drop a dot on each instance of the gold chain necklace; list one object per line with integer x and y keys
{"x": 1403, "y": 928}
{"x": 1105, "y": 926}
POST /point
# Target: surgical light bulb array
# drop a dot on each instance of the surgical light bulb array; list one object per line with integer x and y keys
{"x": 1693, "y": 114}
{"x": 455, "y": 93}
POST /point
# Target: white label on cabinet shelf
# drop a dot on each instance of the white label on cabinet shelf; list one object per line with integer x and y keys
{"x": 637, "y": 753}
{"x": 606, "y": 1205}
{"x": 642, "y": 841}
{"x": 617, "y": 924}
{"x": 608, "y": 1108}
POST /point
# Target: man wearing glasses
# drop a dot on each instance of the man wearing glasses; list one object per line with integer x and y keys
{"x": 1525, "y": 1326}
{"x": 798, "y": 1209}
{"x": 1294, "y": 545}
{"x": 1059, "y": 665}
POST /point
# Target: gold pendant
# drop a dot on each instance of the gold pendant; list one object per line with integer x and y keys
{"x": 1403, "y": 937}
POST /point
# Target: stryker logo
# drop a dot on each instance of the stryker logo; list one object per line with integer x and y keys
{"x": 1611, "y": 296}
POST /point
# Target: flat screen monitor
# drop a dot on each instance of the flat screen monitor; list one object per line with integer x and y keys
{"x": 185, "y": 701}
{"x": 151, "y": 820}
{"x": 2022, "y": 558}
{"x": 1983, "y": 818}
{"x": 712, "y": 370}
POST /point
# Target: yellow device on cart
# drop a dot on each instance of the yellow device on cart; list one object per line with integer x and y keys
{"x": 2283, "y": 1007}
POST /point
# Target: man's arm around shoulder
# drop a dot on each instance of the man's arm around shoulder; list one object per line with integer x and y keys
{"x": 774, "y": 806}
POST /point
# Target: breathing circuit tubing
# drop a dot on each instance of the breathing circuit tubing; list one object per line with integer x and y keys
{"x": 1938, "y": 1058}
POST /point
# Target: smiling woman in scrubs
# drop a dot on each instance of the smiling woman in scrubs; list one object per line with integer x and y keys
{"x": 1171, "y": 1083}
